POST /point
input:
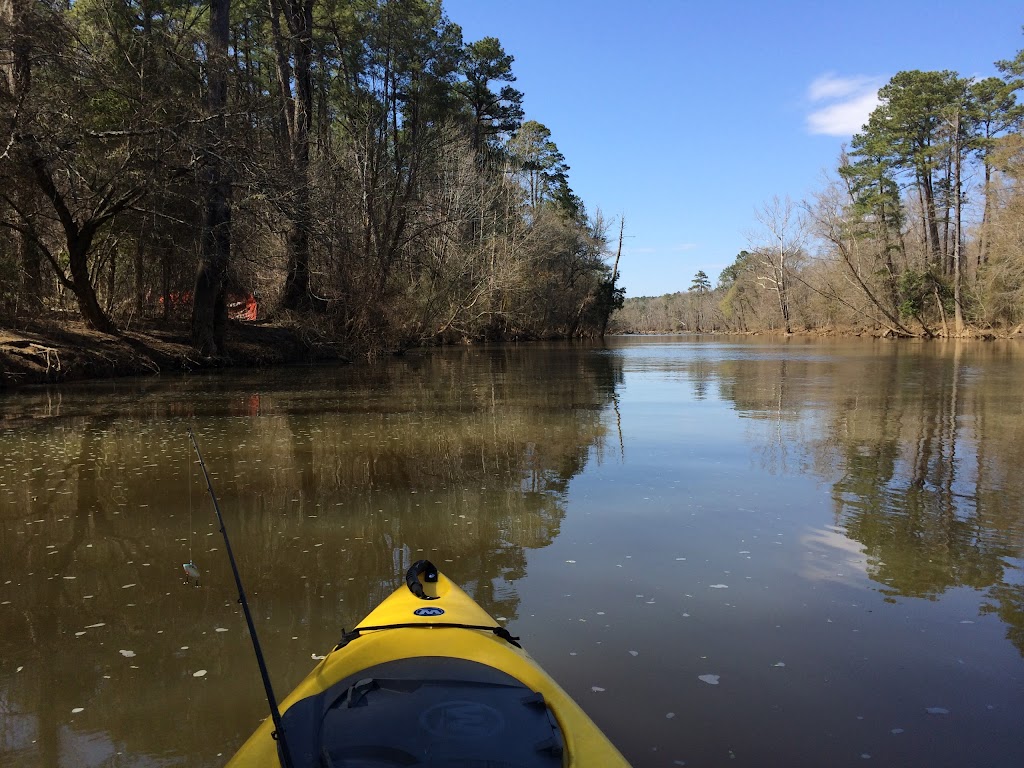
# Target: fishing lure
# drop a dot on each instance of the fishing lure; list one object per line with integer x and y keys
{"x": 191, "y": 572}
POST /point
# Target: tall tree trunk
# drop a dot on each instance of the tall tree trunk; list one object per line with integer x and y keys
{"x": 615, "y": 276}
{"x": 986, "y": 217}
{"x": 298, "y": 112}
{"x": 30, "y": 259}
{"x": 85, "y": 294}
{"x": 78, "y": 239}
{"x": 17, "y": 81}
{"x": 934, "y": 245}
{"x": 958, "y": 311}
{"x": 209, "y": 308}
{"x": 784, "y": 301}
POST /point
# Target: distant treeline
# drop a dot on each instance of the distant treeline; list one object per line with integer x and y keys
{"x": 356, "y": 166}
{"x": 919, "y": 233}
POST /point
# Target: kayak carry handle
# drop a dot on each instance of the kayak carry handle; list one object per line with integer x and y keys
{"x": 423, "y": 568}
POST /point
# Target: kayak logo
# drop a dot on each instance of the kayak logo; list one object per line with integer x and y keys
{"x": 429, "y": 611}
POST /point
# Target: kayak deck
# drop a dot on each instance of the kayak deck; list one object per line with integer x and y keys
{"x": 412, "y": 686}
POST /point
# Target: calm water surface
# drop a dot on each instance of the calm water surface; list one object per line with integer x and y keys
{"x": 730, "y": 553}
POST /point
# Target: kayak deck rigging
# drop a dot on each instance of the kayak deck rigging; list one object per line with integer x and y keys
{"x": 423, "y": 691}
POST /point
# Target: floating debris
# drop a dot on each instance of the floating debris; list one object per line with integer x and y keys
{"x": 896, "y": 730}
{"x": 96, "y": 626}
{"x": 597, "y": 689}
{"x": 719, "y": 586}
{"x": 127, "y": 586}
{"x": 76, "y": 710}
{"x": 779, "y": 664}
{"x": 936, "y": 710}
{"x": 634, "y": 653}
{"x": 126, "y": 654}
{"x": 221, "y": 629}
{"x": 571, "y": 561}
{"x": 199, "y": 673}
{"x": 316, "y": 657}
{"x": 669, "y": 715}
{"x": 709, "y": 679}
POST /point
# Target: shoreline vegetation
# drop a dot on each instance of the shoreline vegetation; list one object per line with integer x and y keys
{"x": 357, "y": 180}
{"x": 357, "y": 176}
{"x": 917, "y": 232}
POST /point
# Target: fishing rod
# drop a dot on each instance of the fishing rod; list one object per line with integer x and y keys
{"x": 275, "y": 713}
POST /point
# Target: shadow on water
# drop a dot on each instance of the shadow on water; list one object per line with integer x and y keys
{"x": 332, "y": 481}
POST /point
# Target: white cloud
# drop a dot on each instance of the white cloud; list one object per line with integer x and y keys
{"x": 848, "y": 102}
{"x": 831, "y": 86}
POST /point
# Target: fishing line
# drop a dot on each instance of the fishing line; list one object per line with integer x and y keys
{"x": 191, "y": 532}
{"x": 275, "y": 713}
{"x": 190, "y": 568}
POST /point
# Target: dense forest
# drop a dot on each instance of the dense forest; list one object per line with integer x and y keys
{"x": 919, "y": 232}
{"x": 352, "y": 167}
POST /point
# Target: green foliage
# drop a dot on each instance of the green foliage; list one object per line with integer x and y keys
{"x": 917, "y": 292}
{"x": 492, "y": 115}
{"x": 734, "y": 271}
{"x": 539, "y": 164}
{"x": 871, "y": 182}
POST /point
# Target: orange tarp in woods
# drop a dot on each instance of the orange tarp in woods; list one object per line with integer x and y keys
{"x": 242, "y": 308}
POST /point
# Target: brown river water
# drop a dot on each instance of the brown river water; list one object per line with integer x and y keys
{"x": 739, "y": 553}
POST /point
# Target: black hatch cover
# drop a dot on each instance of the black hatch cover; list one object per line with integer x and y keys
{"x": 425, "y": 711}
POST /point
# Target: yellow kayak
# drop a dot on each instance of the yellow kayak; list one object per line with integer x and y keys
{"x": 429, "y": 679}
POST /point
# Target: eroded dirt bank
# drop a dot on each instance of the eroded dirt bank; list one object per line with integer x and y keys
{"x": 46, "y": 354}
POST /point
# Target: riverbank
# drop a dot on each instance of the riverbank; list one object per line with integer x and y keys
{"x": 45, "y": 353}
{"x": 969, "y": 334}
{"x": 51, "y": 353}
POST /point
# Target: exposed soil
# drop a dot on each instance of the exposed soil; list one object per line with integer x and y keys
{"x": 43, "y": 353}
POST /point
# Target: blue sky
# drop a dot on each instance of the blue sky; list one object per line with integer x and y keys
{"x": 687, "y": 116}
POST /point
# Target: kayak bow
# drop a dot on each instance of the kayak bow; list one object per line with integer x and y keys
{"x": 428, "y": 678}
